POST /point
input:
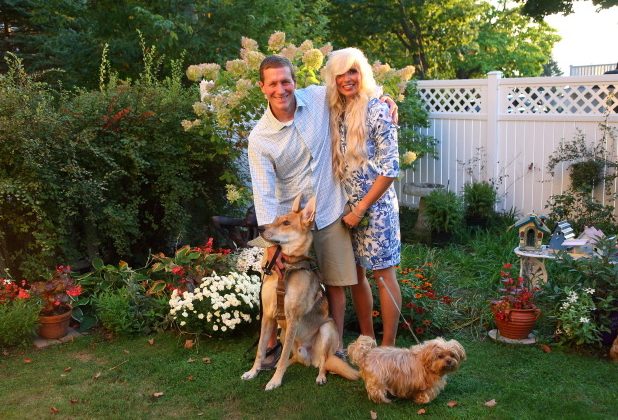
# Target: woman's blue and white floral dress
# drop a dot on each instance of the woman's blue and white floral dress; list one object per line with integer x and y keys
{"x": 377, "y": 245}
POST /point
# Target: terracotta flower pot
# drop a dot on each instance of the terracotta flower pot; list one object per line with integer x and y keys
{"x": 518, "y": 323}
{"x": 54, "y": 326}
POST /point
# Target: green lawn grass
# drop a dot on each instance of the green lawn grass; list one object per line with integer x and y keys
{"x": 524, "y": 381}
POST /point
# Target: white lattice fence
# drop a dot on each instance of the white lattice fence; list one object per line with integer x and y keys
{"x": 505, "y": 129}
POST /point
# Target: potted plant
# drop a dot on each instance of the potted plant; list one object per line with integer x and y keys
{"x": 479, "y": 200}
{"x": 18, "y": 312}
{"x": 444, "y": 214}
{"x": 515, "y": 313}
{"x": 56, "y": 295}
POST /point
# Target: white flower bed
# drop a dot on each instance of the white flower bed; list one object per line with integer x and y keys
{"x": 218, "y": 305}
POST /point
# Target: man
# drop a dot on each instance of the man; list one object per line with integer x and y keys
{"x": 290, "y": 154}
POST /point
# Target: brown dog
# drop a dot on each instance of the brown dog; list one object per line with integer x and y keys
{"x": 308, "y": 332}
{"x": 417, "y": 373}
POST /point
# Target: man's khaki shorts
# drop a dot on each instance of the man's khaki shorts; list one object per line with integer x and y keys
{"x": 333, "y": 249}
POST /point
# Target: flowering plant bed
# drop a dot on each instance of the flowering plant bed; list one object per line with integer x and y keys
{"x": 425, "y": 308}
{"x": 18, "y": 312}
{"x": 218, "y": 305}
{"x": 187, "y": 267}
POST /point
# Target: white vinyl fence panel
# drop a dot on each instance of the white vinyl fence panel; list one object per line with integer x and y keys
{"x": 504, "y": 130}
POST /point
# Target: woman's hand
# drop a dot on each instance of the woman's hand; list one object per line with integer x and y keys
{"x": 353, "y": 218}
{"x": 392, "y": 108}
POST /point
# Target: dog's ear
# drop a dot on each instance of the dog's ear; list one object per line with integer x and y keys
{"x": 458, "y": 349}
{"x": 309, "y": 211}
{"x": 296, "y": 204}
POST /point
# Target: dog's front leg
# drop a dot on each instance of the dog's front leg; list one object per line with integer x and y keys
{"x": 282, "y": 365}
{"x": 268, "y": 325}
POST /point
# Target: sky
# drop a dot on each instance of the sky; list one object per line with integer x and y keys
{"x": 588, "y": 37}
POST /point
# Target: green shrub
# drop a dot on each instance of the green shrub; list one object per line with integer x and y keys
{"x": 444, "y": 211}
{"x": 479, "y": 200}
{"x": 130, "y": 311}
{"x": 581, "y": 210}
{"x": 18, "y": 321}
{"x": 599, "y": 274}
{"x": 108, "y": 173}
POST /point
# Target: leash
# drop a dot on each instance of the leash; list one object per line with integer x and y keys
{"x": 407, "y": 324}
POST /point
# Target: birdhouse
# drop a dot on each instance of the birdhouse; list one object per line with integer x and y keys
{"x": 531, "y": 231}
{"x": 563, "y": 231}
{"x": 586, "y": 243}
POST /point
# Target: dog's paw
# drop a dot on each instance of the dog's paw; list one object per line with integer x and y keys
{"x": 422, "y": 398}
{"x": 247, "y": 376}
{"x": 272, "y": 384}
{"x": 320, "y": 380}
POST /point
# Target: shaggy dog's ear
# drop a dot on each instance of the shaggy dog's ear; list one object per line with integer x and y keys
{"x": 458, "y": 349}
{"x": 427, "y": 353}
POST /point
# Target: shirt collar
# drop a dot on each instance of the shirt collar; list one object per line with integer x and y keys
{"x": 278, "y": 125}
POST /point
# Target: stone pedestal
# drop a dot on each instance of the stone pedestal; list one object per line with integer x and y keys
{"x": 494, "y": 334}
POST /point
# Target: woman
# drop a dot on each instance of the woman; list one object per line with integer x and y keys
{"x": 366, "y": 159}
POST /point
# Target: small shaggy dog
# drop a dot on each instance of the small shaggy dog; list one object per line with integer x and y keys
{"x": 417, "y": 373}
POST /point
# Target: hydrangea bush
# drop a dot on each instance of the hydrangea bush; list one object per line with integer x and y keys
{"x": 230, "y": 95}
{"x": 218, "y": 306}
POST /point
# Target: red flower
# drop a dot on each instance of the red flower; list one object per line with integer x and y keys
{"x": 23, "y": 294}
{"x": 419, "y": 330}
{"x": 178, "y": 270}
{"x": 419, "y": 310}
{"x": 507, "y": 266}
{"x": 74, "y": 291}
{"x": 447, "y": 300}
{"x": 410, "y": 305}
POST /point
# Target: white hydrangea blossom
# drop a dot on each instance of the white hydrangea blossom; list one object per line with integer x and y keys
{"x": 218, "y": 303}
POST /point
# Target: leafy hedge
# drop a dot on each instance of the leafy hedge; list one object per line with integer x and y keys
{"x": 107, "y": 173}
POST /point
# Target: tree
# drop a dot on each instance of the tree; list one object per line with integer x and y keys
{"x": 541, "y": 8}
{"x": 15, "y": 27}
{"x": 551, "y": 69}
{"x": 71, "y": 34}
{"x": 453, "y": 38}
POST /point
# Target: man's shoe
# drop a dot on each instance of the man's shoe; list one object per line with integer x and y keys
{"x": 272, "y": 357}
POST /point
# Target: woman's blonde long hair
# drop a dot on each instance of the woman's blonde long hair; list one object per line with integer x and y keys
{"x": 351, "y": 112}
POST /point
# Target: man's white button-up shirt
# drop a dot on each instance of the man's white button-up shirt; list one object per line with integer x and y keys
{"x": 287, "y": 159}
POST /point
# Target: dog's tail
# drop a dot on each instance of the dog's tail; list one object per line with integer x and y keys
{"x": 341, "y": 368}
{"x": 358, "y": 349}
